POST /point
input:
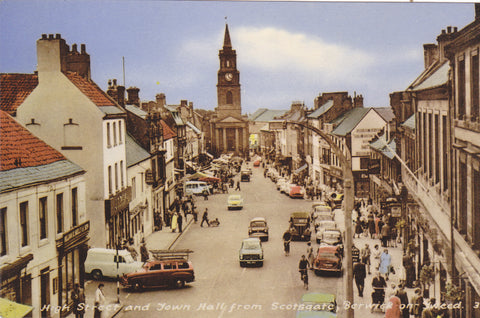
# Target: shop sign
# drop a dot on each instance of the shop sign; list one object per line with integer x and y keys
{"x": 373, "y": 166}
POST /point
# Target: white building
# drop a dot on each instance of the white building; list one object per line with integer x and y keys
{"x": 43, "y": 221}
{"x": 72, "y": 114}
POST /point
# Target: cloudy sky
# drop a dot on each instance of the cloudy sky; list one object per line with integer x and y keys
{"x": 286, "y": 51}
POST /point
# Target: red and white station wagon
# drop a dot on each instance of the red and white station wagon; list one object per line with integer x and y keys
{"x": 170, "y": 272}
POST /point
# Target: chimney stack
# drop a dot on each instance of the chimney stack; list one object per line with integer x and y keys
{"x": 161, "y": 100}
{"x": 133, "y": 96}
{"x": 79, "y": 62}
{"x": 477, "y": 11}
{"x": 430, "y": 54}
{"x": 51, "y": 55}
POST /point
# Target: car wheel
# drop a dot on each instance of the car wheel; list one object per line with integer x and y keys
{"x": 260, "y": 264}
{"x": 318, "y": 241}
{"x": 97, "y": 274}
{"x": 137, "y": 286}
{"x": 179, "y": 283}
{"x": 242, "y": 264}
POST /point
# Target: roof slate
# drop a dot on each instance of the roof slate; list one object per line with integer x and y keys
{"x": 134, "y": 152}
{"x": 410, "y": 122}
{"x": 167, "y": 131}
{"x": 385, "y": 112}
{"x": 435, "y": 78}
{"x": 270, "y": 114}
{"x": 347, "y": 121}
{"x": 136, "y": 111}
{"x": 322, "y": 109}
{"x": 14, "y": 89}
{"x": 20, "y": 149}
{"x": 90, "y": 89}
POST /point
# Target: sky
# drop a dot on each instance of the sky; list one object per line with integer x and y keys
{"x": 286, "y": 51}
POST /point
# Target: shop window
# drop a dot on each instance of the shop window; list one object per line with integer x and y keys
{"x": 26, "y": 290}
{"x": 24, "y": 222}
{"x": 121, "y": 174}
{"x": 42, "y": 217}
{"x": 3, "y": 231}
{"x": 116, "y": 177}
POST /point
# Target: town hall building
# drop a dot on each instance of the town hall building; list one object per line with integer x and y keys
{"x": 229, "y": 129}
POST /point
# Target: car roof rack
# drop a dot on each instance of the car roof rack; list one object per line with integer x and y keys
{"x": 162, "y": 255}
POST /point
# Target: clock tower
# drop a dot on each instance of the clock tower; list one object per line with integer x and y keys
{"x": 229, "y": 129}
{"x": 228, "y": 82}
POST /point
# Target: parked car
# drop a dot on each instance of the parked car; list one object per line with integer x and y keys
{"x": 336, "y": 200}
{"x": 329, "y": 259}
{"x": 323, "y": 225}
{"x": 195, "y": 187}
{"x": 258, "y": 228}
{"x": 102, "y": 262}
{"x": 320, "y": 211}
{"x": 321, "y": 305}
{"x": 331, "y": 237}
{"x": 300, "y": 226}
{"x": 280, "y": 182}
{"x": 285, "y": 188}
{"x": 160, "y": 273}
{"x": 251, "y": 252}
{"x": 296, "y": 192}
{"x": 244, "y": 175}
{"x": 235, "y": 201}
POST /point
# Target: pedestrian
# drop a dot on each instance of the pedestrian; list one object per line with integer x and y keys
{"x": 195, "y": 214}
{"x": 174, "y": 223}
{"x": 407, "y": 262}
{"x": 287, "y": 238}
{"x": 371, "y": 225}
{"x": 402, "y": 295}
{"x": 238, "y": 186}
{"x": 378, "y": 286}
{"x": 132, "y": 249}
{"x": 78, "y": 298}
{"x": 365, "y": 257}
{"x": 302, "y": 268}
{"x": 205, "y": 194}
{"x": 310, "y": 254}
{"x": 359, "y": 274}
{"x": 417, "y": 302}
{"x": 180, "y": 222}
{"x": 376, "y": 255}
{"x": 393, "y": 308}
{"x": 205, "y": 217}
{"x": 144, "y": 252}
{"x": 99, "y": 301}
{"x": 385, "y": 263}
{"x": 390, "y": 291}
{"x": 385, "y": 235}
{"x": 358, "y": 228}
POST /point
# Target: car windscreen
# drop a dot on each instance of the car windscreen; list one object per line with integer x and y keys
{"x": 331, "y": 236}
{"x": 327, "y": 255}
{"x": 234, "y": 197}
{"x": 250, "y": 245}
{"x": 322, "y": 209}
{"x": 300, "y": 221}
{"x": 257, "y": 224}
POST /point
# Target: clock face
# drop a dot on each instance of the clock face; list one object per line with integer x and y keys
{"x": 229, "y": 76}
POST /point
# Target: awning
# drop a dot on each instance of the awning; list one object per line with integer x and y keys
{"x": 305, "y": 166}
{"x": 10, "y": 309}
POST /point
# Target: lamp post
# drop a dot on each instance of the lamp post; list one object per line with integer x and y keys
{"x": 348, "y": 185}
{"x": 117, "y": 246}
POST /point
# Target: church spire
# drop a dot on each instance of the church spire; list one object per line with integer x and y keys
{"x": 226, "y": 41}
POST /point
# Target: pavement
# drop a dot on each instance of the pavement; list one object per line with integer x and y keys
{"x": 160, "y": 240}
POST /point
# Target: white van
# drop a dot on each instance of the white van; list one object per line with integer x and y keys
{"x": 195, "y": 187}
{"x": 102, "y": 262}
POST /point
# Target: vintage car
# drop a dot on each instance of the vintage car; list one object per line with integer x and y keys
{"x": 160, "y": 273}
{"x": 322, "y": 226}
{"x": 331, "y": 237}
{"x": 251, "y": 252}
{"x": 235, "y": 201}
{"x": 279, "y": 183}
{"x": 322, "y": 209}
{"x": 300, "y": 226}
{"x": 321, "y": 305}
{"x": 258, "y": 228}
{"x": 296, "y": 192}
{"x": 245, "y": 175}
{"x": 328, "y": 259}
{"x": 336, "y": 200}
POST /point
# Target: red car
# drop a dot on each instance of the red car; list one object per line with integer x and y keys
{"x": 160, "y": 273}
{"x": 329, "y": 259}
{"x": 256, "y": 163}
{"x": 296, "y": 192}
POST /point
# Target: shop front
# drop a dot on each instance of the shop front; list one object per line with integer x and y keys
{"x": 117, "y": 217}
{"x": 72, "y": 250}
{"x": 15, "y": 284}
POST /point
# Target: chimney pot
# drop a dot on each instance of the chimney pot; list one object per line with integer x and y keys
{"x": 114, "y": 82}
{"x": 443, "y": 32}
{"x": 449, "y": 29}
{"x": 83, "y": 48}
{"x": 44, "y": 36}
{"x": 50, "y": 36}
{"x": 74, "y": 48}
{"x": 58, "y": 36}
{"x": 455, "y": 29}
